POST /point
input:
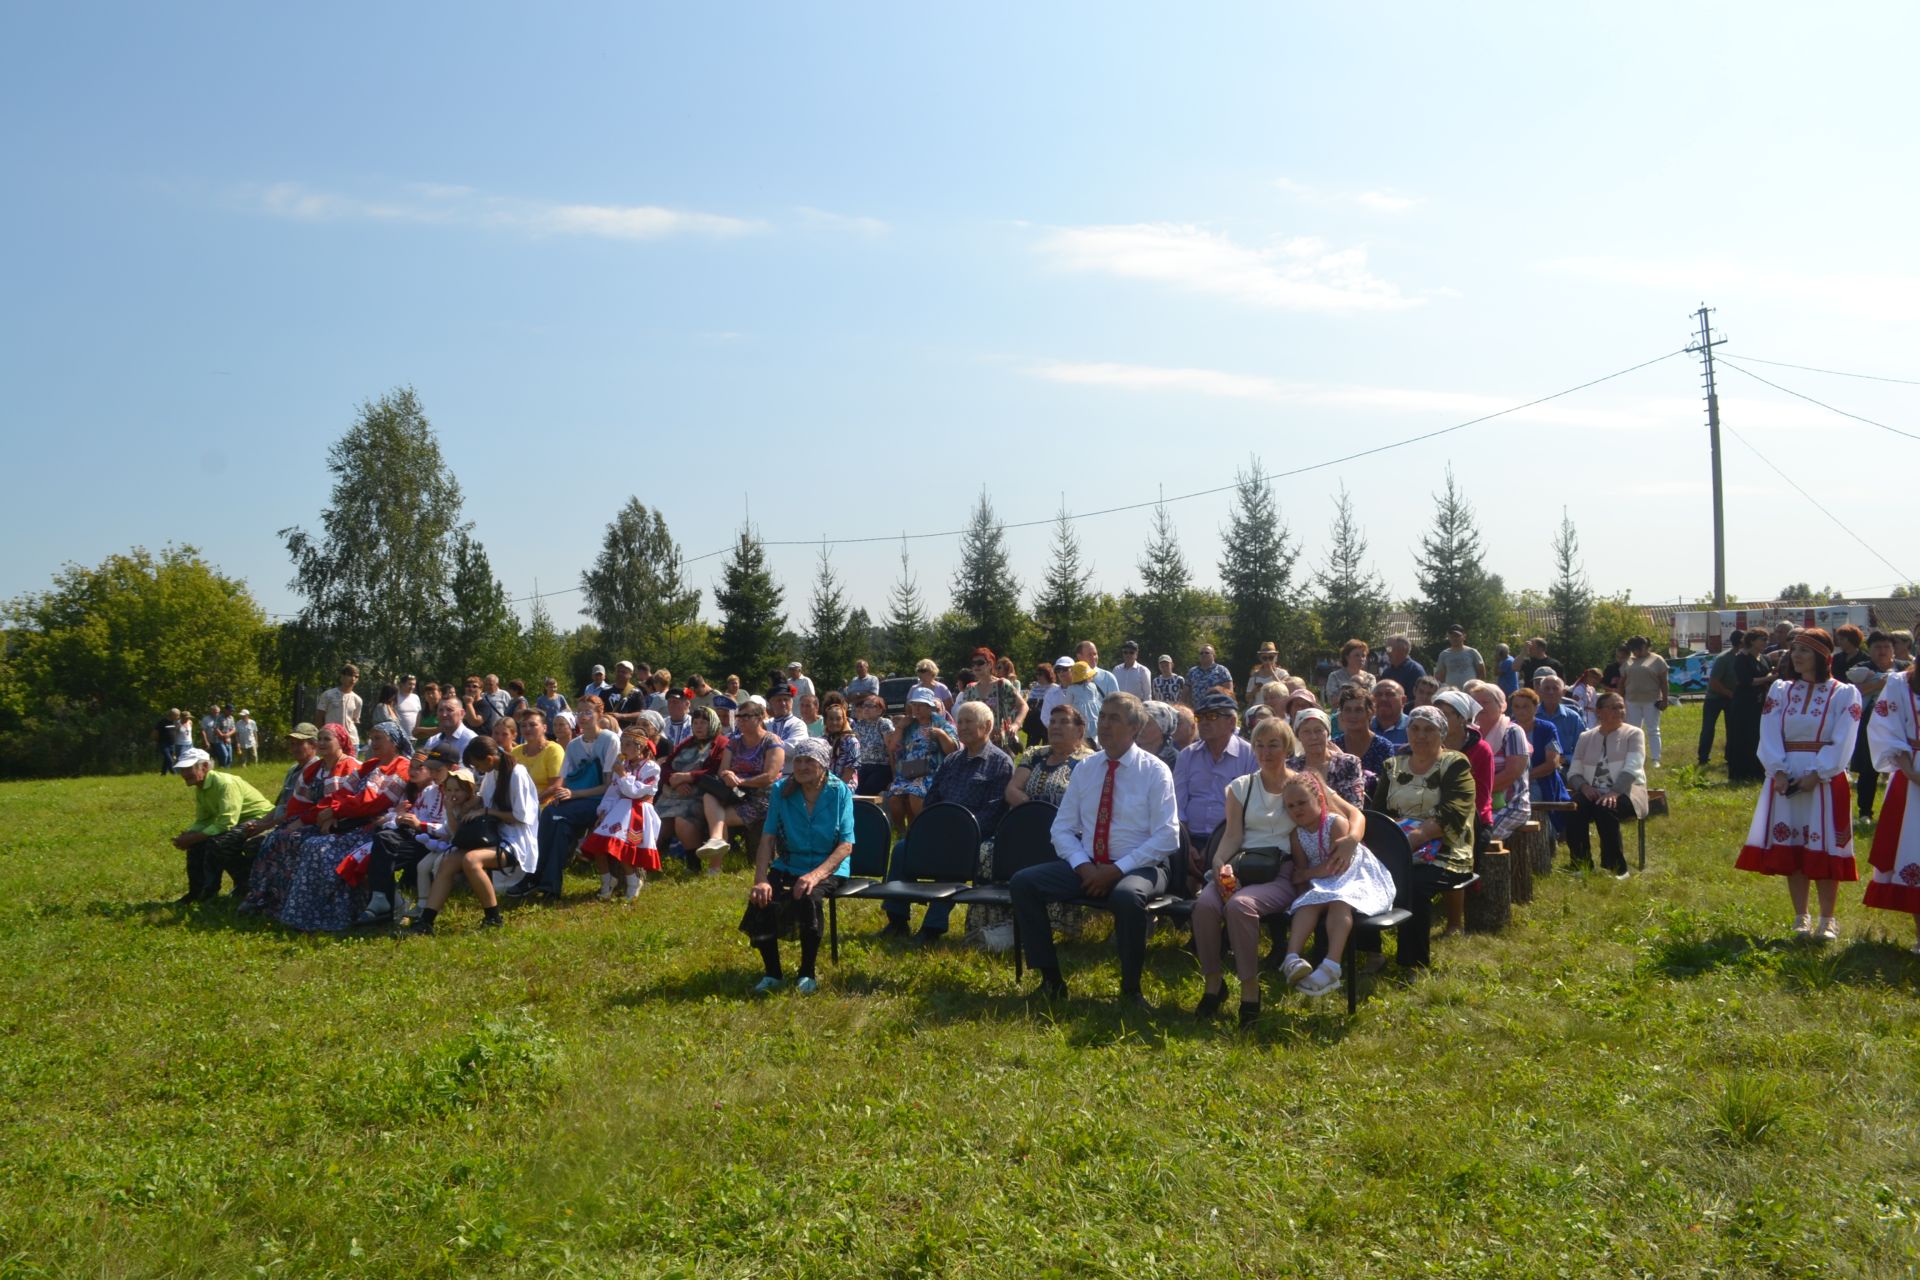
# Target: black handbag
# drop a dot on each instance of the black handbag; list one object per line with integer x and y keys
{"x": 1256, "y": 866}
{"x": 707, "y": 784}
{"x": 482, "y": 832}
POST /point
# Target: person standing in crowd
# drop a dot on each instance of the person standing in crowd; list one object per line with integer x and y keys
{"x": 974, "y": 777}
{"x": 1390, "y": 712}
{"x": 551, "y": 701}
{"x": 1169, "y": 686}
{"x": 1802, "y": 825}
{"x": 626, "y": 699}
{"x": 1538, "y": 660}
{"x": 1266, "y": 670}
{"x": 1057, "y": 691}
{"x": 1902, "y": 649}
{"x": 1422, "y": 693}
{"x": 407, "y": 707}
{"x": 1778, "y": 642}
{"x": 1401, "y": 668}
{"x": 1893, "y": 733}
{"x": 1086, "y": 651}
{"x": 597, "y": 685}
{"x": 1000, "y": 696}
{"x": 1207, "y": 675}
{"x": 804, "y": 854}
{"x": 1610, "y": 678}
{"x": 210, "y": 733}
{"x": 1351, "y": 671}
{"x": 1643, "y": 683}
{"x": 1585, "y": 691}
{"x": 1608, "y": 778}
{"x": 1506, "y": 670}
{"x": 928, "y": 672}
{"x": 1870, "y": 676}
{"x": 341, "y": 705}
{"x": 215, "y": 844}
{"x": 1132, "y": 676}
{"x": 429, "y": 717}
{"x": 1201, "y": 775}
{"x": 801, "y": 682}
{"x": 1115, "y": 831}
{"x": 863, "y": 684}
{"x": 1459, "y": 662}
{"x": 1719, "y": 692}
{"x": 166, "y": 737}
{"x": 1035, "y": 725}
{"x": 1751, "y": 676}
{"x": 246, "y": 737}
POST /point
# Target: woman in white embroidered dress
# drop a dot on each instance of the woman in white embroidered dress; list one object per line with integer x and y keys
{"x": 1893, "y": 735}
{"x": 1803, "y": 824}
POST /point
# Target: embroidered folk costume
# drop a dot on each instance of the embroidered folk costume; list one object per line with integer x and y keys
{"x": 1892, "y": 731}
{"x": 626, "y": 828}
{"x": 1806, "y": 732}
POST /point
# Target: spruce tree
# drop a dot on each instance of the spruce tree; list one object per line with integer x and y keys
{"x": 1352, "y": 601}
{"x": 751, "y": 620}
{"x": 1571, "y": 600}
{"x": 985, "y": 589}
{"x": 831, "y": 645}
{"x": 908, "y": 629}
{"x": 1164, "y": 617}
{"x": 1455, "y": 586}
{"x": 637, "y": 593}
{"x": 1065, "y": 601}
{"x": 1256, "y": 576}
{"x": 543, "y": 650}
{"x": 482, "y": 634}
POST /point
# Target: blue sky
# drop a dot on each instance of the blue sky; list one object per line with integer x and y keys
{"x": 843, "y": 266}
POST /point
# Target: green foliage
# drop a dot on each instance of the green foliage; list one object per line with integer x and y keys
{"x": 907, "y": 634}
{"x": 1455, "y": 586}
{"x": 481, "y": 634}
{"x": 92, "y": 662}
{"x": 985, "y": 589}
{"x": 1162, "y": 614}
{"x": 377, "y": 577}
{"x": 1351, "y": 602}
{"x": 1611, "y": 622}
{"x": 751, "y": 620}
{"x": 1749, "y": 1110}
{"x": 543, "y": 652}
{"x": 638, "y": 595}
{"x": 831, "y": 642}
{"x": 1257, "y": 558}
{"x": 1803, "y": 593}
{"x": 1571, "y": 599}
{"x": 1064, "y": 604}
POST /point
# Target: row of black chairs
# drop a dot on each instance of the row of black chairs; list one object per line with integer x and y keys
{"x": 938, "y": 859}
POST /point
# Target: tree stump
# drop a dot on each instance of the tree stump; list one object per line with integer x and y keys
{"x": 1490, "y": 903}
{"x": 1522, "y": 863}
{"x": 1544, "y": 850}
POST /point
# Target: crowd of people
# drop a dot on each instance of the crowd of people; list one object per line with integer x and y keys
{"x": 1252, "y": 798}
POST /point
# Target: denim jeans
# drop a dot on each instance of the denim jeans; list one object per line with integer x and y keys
{"x": 560, "y": 822}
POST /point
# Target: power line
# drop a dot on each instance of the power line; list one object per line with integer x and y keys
{"x": 1203, "y": 493}
{"x": 1729, "y": 362}
{"x": 1844, "y": 526}
{"x": 1838, "y": 373}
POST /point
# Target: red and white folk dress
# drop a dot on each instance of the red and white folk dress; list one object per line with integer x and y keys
{"x": 626, "y": 828}
{"x": 1806, "y": 731}
{"x": 1895, "y": 858}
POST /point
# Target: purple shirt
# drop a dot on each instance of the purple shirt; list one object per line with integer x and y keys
{"x": 1200, "y": 782}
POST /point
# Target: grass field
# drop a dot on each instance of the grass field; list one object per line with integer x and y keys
{"x": 1641, "y": 1078}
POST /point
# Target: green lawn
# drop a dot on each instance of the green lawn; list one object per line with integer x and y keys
{"x": 1639, "y": 1079}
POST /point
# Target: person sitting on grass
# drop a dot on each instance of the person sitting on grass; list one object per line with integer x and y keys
{"x": 413, "y": 832}
{"x": 1361, "y": 884}
{"x": 625, "y": 840}
{"x": 325, "y": 894}
{"x": 803, "y": 855}
{"x": 507, "y": 843}
{"x": 333, "y": 768}
{"x": 215, "y": 844}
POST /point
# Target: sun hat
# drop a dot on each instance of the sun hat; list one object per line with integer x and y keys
{"x": 920, "y": 693}
{"x": 304, "y": 731}
{"x": 1079, "y": 673}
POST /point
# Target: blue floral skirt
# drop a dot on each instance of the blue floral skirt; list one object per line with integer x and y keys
{"x": 317, "y": 900}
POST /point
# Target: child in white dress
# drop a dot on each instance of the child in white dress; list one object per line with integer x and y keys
{"x": 1364, "y": 887}
{"x": 625, "y": 840}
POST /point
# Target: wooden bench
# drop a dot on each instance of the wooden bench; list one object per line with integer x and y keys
{"x": 1656, "y": 808}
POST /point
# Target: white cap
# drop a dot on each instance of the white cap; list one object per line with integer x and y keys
{"x": 623, "y": 663}
{"x": 189, "y": 758}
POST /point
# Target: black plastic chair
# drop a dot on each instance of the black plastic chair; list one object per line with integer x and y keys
{"x": 938, "y": 858}
{"x": 872, "y": 845}
{"x": 1388, "y": 843}
{"x": 1024, "y": 839}
{"x": 1181, "y": 909}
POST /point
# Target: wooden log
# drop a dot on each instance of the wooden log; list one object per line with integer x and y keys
{"x": 1525, "y": 838}
{"x": 1490, "y": 903}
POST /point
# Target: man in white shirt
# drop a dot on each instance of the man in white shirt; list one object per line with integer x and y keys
{"x": 1117, "y": 827}
{"x": 341, "y": 705}
{"x": 408, "y": 705}
{"x": 1131, "y": 676}
{"x": 454, "y": 734}
{"x": 802, "y": 684}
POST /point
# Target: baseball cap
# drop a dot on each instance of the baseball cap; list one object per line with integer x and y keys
{"x": 684, "y": 694}
{"x": 623, "y": 663}
{"x": 303, "y": 732}
{"x": 1218, "y": 703}
{"x": 1456, "y": 630}
{"x": 1062, "y": 662}
{"x": 599, "y": 670}
{"x": 189, "y": 758}
{"x": 444, "y": 756}
{"x": 1129, "y": 644}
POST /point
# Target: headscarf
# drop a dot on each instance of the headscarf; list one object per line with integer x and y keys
{"x": 818, "y": 750}
{"x": 1164, "y": 716}
{"x": 338, "y": 732}
{"x": 707, "y": 714}
{"x": 1312, "y": 713}
{"x": 658, "y": 721}
{"x": 1465, "y": 706}
{"x": 1428, "y": 715}
{"x": 393, "y": 732}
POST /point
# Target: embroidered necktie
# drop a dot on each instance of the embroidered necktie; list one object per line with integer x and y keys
{"x": 1103, "y": 822}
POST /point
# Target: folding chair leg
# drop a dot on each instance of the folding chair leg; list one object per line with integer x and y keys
{"x": 833, "y": 929}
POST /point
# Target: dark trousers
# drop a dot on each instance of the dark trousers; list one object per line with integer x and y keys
{"x": 873, "y": 779}
{"x": 224, "y": 854}
{"x": 1415, "y": 895}
{"x": 561, "y": 823}
{"x": 1710, "y": 712}
{"x": 1055, "y": 881}
{"x": 1613, "y": 855}
{"x": 394, "y": 852}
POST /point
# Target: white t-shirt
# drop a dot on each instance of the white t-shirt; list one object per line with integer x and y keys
{"x": 409, "y": 709}
{"x": 802, "y": 686}
{"x": 243, "y": 731}
{"x": 1455, "y": 667}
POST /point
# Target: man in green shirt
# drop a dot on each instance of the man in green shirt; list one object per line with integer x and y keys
{"x": 216, "y": 842}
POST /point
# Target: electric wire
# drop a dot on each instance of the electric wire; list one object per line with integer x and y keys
{"x": 1843, "y": 525}
{"x": 1729, "y": 362}
{"x": 1838, "y": 373}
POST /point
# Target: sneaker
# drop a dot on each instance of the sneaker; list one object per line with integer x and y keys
{"x": 634, "y": 885}
{"x": 521, "y": 888}
{"x": 1828, "y": 930}
{"x": 715, "y": 845}
{"x": 806, "y": 986}
{"x": 493, "y": 922}
{"x": 1296, "y": 970}
{"x": 767, "y": 986}
{"x": 1621, "y": 874}
{"x": 378, "y": 909}
{"x": 1803, "y": 926}
{"x": 1320, "y": 981}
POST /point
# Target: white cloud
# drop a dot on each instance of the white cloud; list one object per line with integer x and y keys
{"x": 1881, "y": 295}
{"x": 443, "y": 203}
{"x": 1386, "y": 200}
{"x": 854, "y": 224}
{"x": 1298, "y": 274}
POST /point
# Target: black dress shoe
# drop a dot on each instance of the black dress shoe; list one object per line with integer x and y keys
{"x": 1050, "y": 991}
{"x": 1210, "y": 1003}
{"x": 894, "y": 929}
{"x": 928, "y": 937}
{"x": 1249, "y": 1014}
{"x": 521, "y": 888}
{"x": 1135, "y": 1000}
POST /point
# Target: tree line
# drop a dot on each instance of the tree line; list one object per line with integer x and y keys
{"x": 393, "y": 578}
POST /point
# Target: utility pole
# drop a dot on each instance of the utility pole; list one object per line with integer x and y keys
{"x": 1703, "y": 344}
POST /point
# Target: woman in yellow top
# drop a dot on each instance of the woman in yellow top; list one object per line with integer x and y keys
{"x": 539, "y": 755}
